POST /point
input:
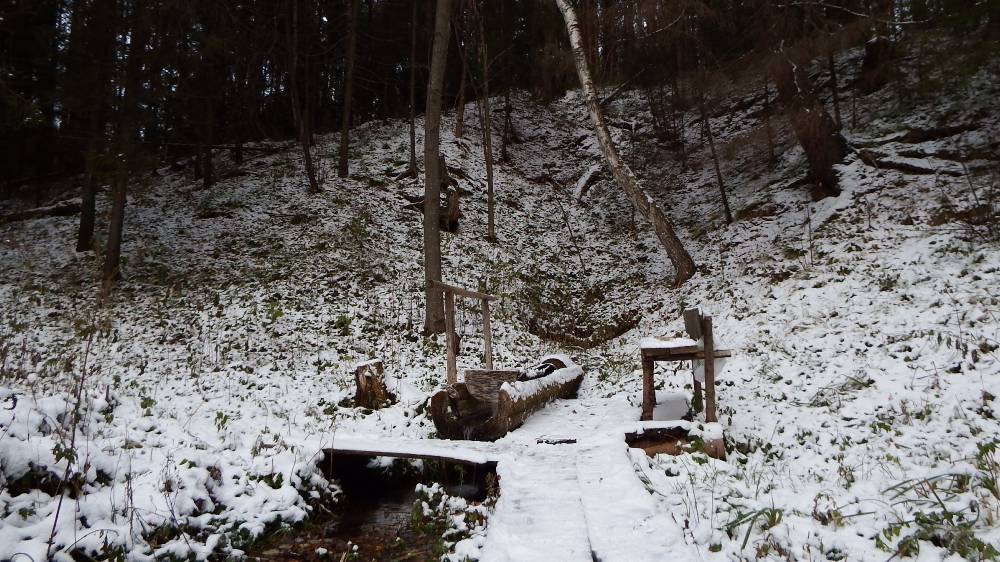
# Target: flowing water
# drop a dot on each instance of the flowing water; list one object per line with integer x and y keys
{"x": 372, "y": 518}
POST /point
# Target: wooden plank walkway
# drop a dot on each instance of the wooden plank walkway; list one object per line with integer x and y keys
{"x": 539, "y": 516}
{"x": 462, "y": 452}
{"x": 578, "y": 501}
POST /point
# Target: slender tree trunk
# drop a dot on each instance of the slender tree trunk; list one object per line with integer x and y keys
{"x": 413, "y": 93}
{"x": 88, "y": 195}
{"x": 434, "y": 318}
{"x": 682, "y": 261}
{"x": 460, "y": 104}
{"x": 345, "y": 123}
{"x": 771, "y": 158}
{"x": 505, "y": 139}
{"x": 459, "y": 28}
{"x": 97, "y": 34}
{"x": 817, "y": 132}
{"x": 126, "y": 150}
{"x": 300, "y": 110}
{"x": 88, "y": 203}
{"x": 715, "y": 160}
{"x": 486, "y": 126}
{"x": 834, "y": 94}
{"x": 208, "y": 171}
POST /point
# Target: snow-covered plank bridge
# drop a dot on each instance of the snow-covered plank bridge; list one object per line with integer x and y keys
{"x": 570, "y": 486}
{"x": 462, "y": 452}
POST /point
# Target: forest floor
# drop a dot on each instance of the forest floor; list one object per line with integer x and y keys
{"x": 859, "y": 410}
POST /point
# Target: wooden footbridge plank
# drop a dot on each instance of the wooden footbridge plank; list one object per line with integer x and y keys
{"x": 539, "y": 516}
{"x": 462, "y": 452}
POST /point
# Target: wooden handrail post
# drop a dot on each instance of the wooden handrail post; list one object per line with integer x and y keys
{"x": 696, "y": 401}
{"x": 487, "y": 335}
{"x": 709, "y": 369}
{"x": 449, "y": 327}
{"x": 648, "y": 393}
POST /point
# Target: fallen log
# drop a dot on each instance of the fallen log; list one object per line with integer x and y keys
{"x": 65, "y": 208}
{"x": 909, "y": 166}
{"x": 492, "y": 403}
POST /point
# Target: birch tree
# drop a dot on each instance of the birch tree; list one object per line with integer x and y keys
{"x": 626, "y": 179}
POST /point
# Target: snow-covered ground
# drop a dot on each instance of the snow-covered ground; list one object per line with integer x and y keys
{"x": 859, "y": 408}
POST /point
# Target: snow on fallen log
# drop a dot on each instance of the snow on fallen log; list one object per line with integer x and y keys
{"x": 521, "y": 390}
{"x": 496, "y": 402}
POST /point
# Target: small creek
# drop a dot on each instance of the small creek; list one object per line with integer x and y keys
{"x": 373, "y": 515}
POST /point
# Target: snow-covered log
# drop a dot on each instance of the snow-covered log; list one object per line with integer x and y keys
{"x": 489, "y": 404}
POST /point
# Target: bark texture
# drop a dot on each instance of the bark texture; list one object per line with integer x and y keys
{"x": 683, "y": 264}
{"x": 345, "y": 123}
{"x": 434, "y": 316}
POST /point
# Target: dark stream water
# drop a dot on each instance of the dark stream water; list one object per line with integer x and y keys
{"x": 373, "y": 517}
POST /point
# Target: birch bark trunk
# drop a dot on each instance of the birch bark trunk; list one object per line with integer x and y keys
{"x": 683, "y": 264}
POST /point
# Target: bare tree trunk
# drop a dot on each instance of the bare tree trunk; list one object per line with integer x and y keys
{"x": 413, "y": 94}
{"x": 835, "y": 96}
{"x": 460, "y": 23}
{"x": 486, "y": 126}
{"x": 715, "y": 160}
{"x": 116, "y": 224}
{"x": 126, "y": 148}
{"x": 345, "y": 122}
{"x": 817, "y": 132}
{"x": 88, "y": 195}
{"x": 505, "y": 139}
{"x": 300, "y": 111}
{"x": 682, "y": 261}
{"x": 101, "y": 40}
{"x": 434, "y": 318}
{"x": 460, "y": 104}
{"x": 771, "y": 158}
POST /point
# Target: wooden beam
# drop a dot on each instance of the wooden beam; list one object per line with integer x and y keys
{"x": 682, "y": 354}
{"x": 450, "y": 341}
{"x": 453, "y": 290}
{"x": 706, "y": 329}
{"x": 487, "y": 336}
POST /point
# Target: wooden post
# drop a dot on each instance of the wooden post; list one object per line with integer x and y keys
{"x": 449, "y": 328}
{"x": 692, "y": 324}
{"x": 648, "y": 394}
{"x": 487, "y": 336}
{"x": 696, "y": 401}
{"x": 709, "y": 370}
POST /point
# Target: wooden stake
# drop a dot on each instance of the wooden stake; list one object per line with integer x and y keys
{"x": 709, "y": 370}
{"x": 696, "y": 402}
{"x": 648, "y": 394}
{"x": 449, "y": 328}
{"x": 487, "y": 336}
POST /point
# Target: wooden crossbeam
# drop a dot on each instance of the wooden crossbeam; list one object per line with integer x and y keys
{"x": 460, "y": 291}
{"x": 450, "y": 292}
{"x": 686, "y": 353}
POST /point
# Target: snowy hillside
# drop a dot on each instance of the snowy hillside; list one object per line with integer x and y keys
{"x": 188, "y": 417}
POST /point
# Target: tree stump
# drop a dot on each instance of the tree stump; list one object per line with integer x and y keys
{"x": 371, "y": 391}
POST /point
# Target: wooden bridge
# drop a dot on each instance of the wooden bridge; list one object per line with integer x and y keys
{"x": 473, "y": 453}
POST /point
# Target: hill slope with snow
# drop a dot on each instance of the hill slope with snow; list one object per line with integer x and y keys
{"x": 859, "y": 409}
